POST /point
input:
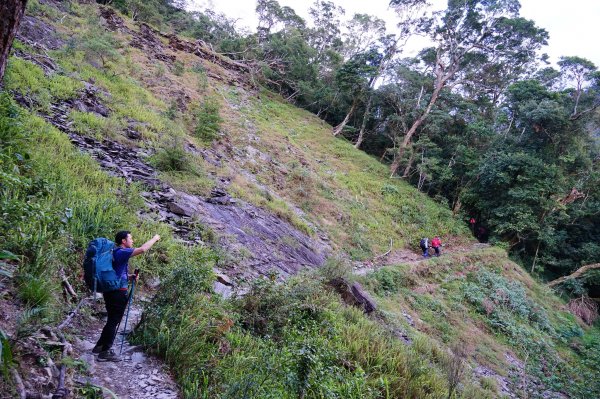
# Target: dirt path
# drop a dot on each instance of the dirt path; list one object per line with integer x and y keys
{"x": 406, "y": 256}
{"x": 137, "y": 376}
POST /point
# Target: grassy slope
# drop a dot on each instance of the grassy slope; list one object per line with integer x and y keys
{"x": 480, "y": 301}
{"x": 345, "y": 192}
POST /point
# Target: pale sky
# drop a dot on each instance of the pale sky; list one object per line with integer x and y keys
{"x": 573, "y": 25}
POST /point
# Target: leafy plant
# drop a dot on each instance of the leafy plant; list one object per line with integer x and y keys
{"x": 6, "y": 356}
{"x": 172, "y": 157}
{"x": 208, "y": 121}
{"x": 178, "y": 68}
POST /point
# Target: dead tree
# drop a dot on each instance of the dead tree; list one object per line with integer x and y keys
{"x": 573, "y": 275}
{"x": 11, "y": 12}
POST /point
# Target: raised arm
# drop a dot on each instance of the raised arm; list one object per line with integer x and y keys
{"x": 147, "y": 245}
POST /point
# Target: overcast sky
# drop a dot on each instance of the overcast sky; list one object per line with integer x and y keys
{"x": 573, "y": 25}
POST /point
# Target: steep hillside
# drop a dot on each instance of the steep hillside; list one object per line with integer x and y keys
{"x": 108, "y": 124}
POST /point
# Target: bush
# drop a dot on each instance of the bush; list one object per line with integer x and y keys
{"x": 98, "y": 45}
{"x": 208, "y": 121}
{"x": 268, "y": 308}
{"x": 389, "y": 280}
{"x": 35, "y": 291}
{"x": 172, "y": 158}
{"x": 500, "y": 299}
{"x": 178, "y": 68}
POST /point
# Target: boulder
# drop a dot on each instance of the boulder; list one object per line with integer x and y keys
{"x": 184, "y": 205}
{"x": 353, "y": 294}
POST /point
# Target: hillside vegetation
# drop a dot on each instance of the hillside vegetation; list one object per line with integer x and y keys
{"x": 470, "y": 324}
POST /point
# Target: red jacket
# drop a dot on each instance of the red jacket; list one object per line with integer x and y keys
{"x": 436, "y": 242}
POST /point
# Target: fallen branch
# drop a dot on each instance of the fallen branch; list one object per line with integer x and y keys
{"x": 72, "y": 314}
{"x": 66, "y": 285}
{"x": 18, "y": 383}
{"x": 585, "y": 308}
{"x": 573, "y": 275}
{"x": 388, "y": 251}
{"x": 61, "y": 390}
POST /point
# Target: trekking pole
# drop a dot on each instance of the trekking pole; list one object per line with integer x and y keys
{"x": 137, "y": 271}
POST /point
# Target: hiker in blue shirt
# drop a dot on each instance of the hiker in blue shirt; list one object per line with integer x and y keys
{"x": 424, "y": 244}
{"x": 116, "y": 301}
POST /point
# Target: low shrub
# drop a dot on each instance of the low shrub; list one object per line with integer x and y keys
{"x": 501, "y": 299}
{"x": 172, "y": 157}
{"x": 28, "y": 79}
{"x": 389, "y": 280}
{"x": 281, "y": 340}
{"x": 35, "y": 291}
{"x": 208, "y": 121}
{"x": 178, "y": 68}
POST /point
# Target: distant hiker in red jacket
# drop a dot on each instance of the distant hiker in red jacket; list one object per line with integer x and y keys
{"x": 436, "y": 243}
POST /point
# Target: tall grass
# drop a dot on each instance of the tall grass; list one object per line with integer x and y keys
{"x": 293, "y": 340}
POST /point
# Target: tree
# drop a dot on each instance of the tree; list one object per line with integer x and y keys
{"x": 354, "y": 78}
{"x": 270, "y": 14}
{"x": 362, "y": 33}
{"x": 388, "y": 53}
{"x": 324, "y": 36}
{"x": 11, "y": 12}
{"x": 367, "y": 34}
{"x": 579, "y": 71}
{"x": 471, "y": 35}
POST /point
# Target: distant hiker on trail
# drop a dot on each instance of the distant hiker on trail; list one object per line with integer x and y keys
{"x": 424, "y": 244}
{"x": 472, "y": 222}
{"x": 116, "y": 300}
{"x": 436, "y": 243}
{"x": 482, "y": 234}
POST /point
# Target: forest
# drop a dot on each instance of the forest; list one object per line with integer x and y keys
{"x": 479, "y": 121}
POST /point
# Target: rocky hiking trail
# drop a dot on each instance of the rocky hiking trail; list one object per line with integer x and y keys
{"x": 137, "y": 376}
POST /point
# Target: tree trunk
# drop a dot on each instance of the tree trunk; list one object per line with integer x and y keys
{"x": 11, "y": 12}
{"x": 413, "y": 129}
{"x": 537, "y": 249}
{"x": 389, "y": 54}
{"x": 361, "y": 134}
{"x": 457, "y": 205}
{"x": 575, "y": 274}
{"x": 409, "y": 165}
{"x": 338, "y": 129}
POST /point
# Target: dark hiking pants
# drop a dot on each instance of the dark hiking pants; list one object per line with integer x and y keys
{"x": 116, "y": 302}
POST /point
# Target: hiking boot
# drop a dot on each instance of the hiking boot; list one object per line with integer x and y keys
{"x": 109, "y": 356}
{"x": 97, "y": 349}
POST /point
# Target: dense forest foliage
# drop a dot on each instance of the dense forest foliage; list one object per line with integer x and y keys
{"x": 479, "y": 120}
